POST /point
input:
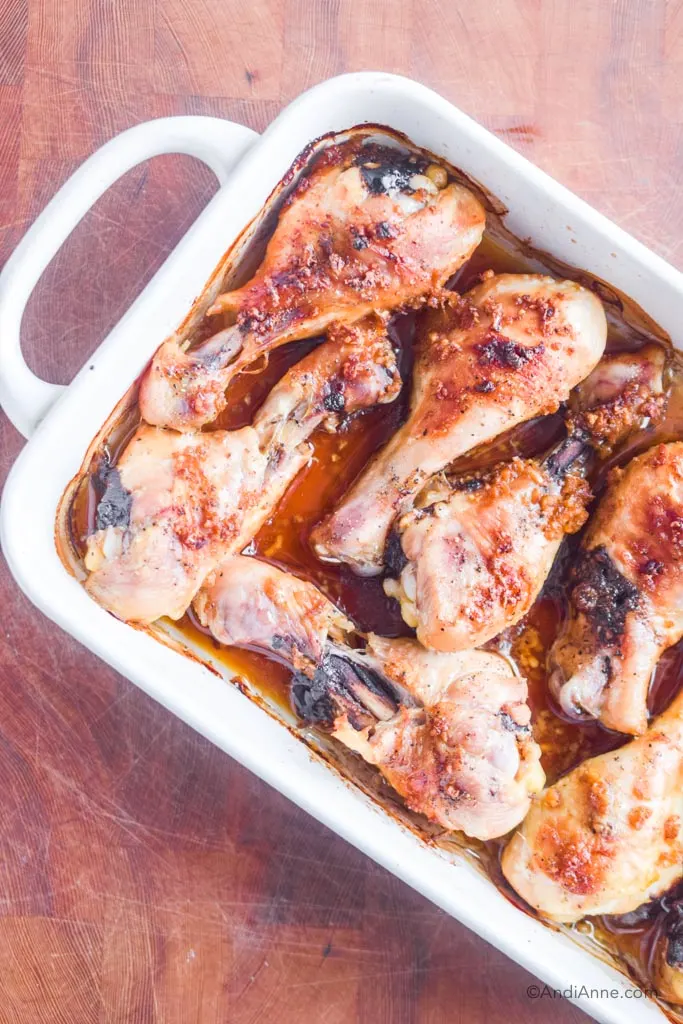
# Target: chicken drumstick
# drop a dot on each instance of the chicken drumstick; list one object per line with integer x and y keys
{"x": 609, "y": 835}
{"x": 509, "y": 350}
{"x": 470, "y": 558}
{"x": 369, "y": 228}
{"x": 175, "y": 504}
{"x": 450, "y": 732}
{"x": 625, "y": 594}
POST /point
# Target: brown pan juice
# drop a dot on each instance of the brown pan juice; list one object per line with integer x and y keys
{"x": 336, "y": 461}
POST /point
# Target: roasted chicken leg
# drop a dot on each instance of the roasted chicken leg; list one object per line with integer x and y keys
{"x": 609, "y": 835}
{"x": 470, "y": 558}
{"x": 473, "y": 560}
{"x": 450, "y": 733}
{"x": 368, "y": 228}
{"x": 625, "y": 594}
{"x": 249, "y": 603}
{"x": 175, "y": 504}
{"x": 460, "y": 751}
{"x": 511, "y": 349}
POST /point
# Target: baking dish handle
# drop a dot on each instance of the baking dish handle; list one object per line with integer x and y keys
{"x": 220, "y": 144}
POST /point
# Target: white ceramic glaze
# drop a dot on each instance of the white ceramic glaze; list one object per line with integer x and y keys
{"x": 63, "y": 422}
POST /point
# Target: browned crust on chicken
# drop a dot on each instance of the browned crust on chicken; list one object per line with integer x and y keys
{"x": 357, "y": 236}
{"x": 176, "y": 504}
{"x": 466, "y": 567}
{"x": 576, "y": 859}
{"x": 566, "y": 512}
{"x": 625, "y": 391}
{"x": 609, "y": 835}
{"x": 625, "y": 594}
{"x": 463, "y": 755}
{"x": 510, "y": 350}
{"x": 609, "y": 424}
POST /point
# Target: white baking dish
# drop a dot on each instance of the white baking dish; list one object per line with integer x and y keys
{"x": 61, "y": 423}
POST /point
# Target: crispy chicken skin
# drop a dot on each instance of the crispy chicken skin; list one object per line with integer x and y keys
{"x": 667, "y": 958}
{"x": 175, "y": 504}
{"x": 509, "y": 350}
{"x": 450, "y": 733}
{"x": 473, "y": 561}
{"x": 625, "y": 594}
{"x": 470, "y": 558}
{"x": 369, "y": 228}
{"x": 609, "y": 835}
{"x": 462, "y": 752}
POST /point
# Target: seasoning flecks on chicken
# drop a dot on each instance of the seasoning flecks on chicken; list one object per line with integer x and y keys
{"x": 609, "y": 835}
{"x": 462, "y": 752}
{"x": 183, "y": 501}
{"x": 471, "y": 557}
{"x": 450, "y": 733}
{"x": 625, "y": 594}
{"x": 184, "y": 496}
{"x": 367, "y": 229}
{"x": 510, "y": 350}
{"x": 472, "y": 562}
{"x": 625, "y": 391}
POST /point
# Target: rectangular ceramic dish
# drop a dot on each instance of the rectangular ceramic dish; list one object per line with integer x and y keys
{"x": 61, "y": 424}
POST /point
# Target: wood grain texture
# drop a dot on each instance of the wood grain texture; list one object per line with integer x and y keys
{"x": 145, "y": 877}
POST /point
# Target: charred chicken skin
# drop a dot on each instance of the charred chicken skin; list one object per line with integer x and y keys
{"x": 609, "y": 835}
{"x": 625, "y": 594}
{"x": 667, "y": 958}
{"x": 471, "y": 557}
{"x": 459, "y": 747}
{"x": 450, "y": 733}
{"x": 369, "y": 228}
{"x": 509, "y": 350}
{"x": 175, "y": 504}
